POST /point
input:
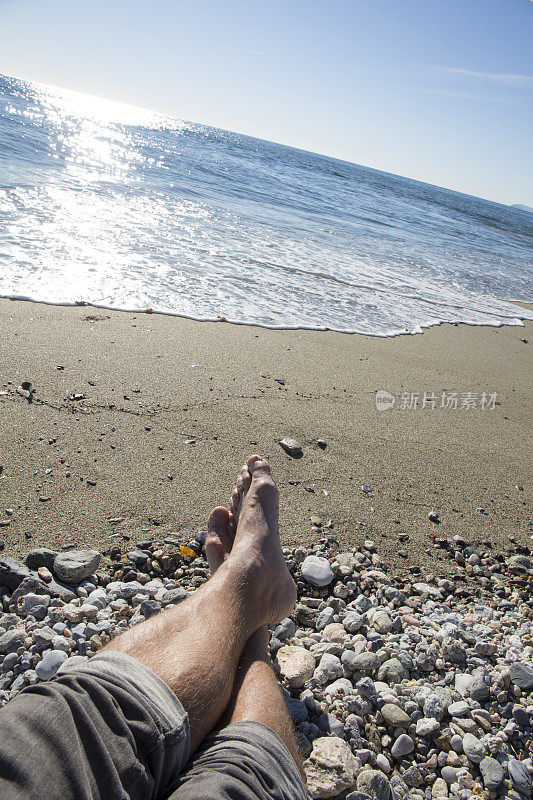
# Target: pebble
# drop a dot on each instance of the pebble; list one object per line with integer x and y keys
{"x": 331, "y": 768}
{"x": 473, "y": 748}
{"x": 522, "y": 675}
{"x": 296, "y": 665}
{"x": 374, "y": 784}
{"x": 421, "y": 688}
{"x": 328, "y": 670}
{"x": 317, "y": 571}
{"x": 439, "y": 789}
{"x": 402, "y": 746}
{"x": 292, "y": 447}
{"x": 76, "y": 565}
{"x": 520, "y": 776}
{"x": 395, "y": 716}
{"x": 492, "y": 772}
{"x": 50, "y": 663}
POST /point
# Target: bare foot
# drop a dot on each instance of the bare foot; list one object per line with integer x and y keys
{"x": 222, "y": 525}
{"x": 257, "y": 547}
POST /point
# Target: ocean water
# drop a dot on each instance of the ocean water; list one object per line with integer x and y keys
{"x": 125, "y": 208}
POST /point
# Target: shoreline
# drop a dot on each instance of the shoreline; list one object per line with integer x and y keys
{"x": 524, "y": 305}
{"x": 71, "y": 466}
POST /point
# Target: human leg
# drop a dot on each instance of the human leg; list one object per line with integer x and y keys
{"x": 196, "y": 646}
{"x": 256, "y": 695}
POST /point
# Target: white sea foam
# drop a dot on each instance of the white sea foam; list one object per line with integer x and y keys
{"x": 125, "y": 209}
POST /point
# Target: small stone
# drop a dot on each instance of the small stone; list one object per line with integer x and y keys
{"x": 328, "y": 670}
{"x": 426, "y": 588}
{"x": 331, "y": 768}
{"x": 433, "y": 707}
{"x": 76, "y": 565}
{"x": 520, "y": 563}
{"x": 395, "y": 716}
{"x": 439, "y": 789}
{"x": 413, "y": 777}
{"x": 520, "y": 716}
{"x": 365, "y": 662}
{"x": 382, "y": 622}
{"x": 473, "y": 748}
{"x": 353, "y": 621}
{"x": 492, "y": 772}
{"x": 433, "y": 516}
{"x": 324, "y": 618}
{"x": 31, "y": 600}
{"x": 41, "y": 557}
{"x": 456, "y": 743}
{"x": 149, "y": 608}
{"x": 521, "y": 675}
{"x": 12, "y": 572}
{"x": 459, "y": 709}
{"x": 520, "y": 777}
{"x": 485, "y": 649}
{"x": 331, "y": 724}
{"x": 392, "y": 671}
{"x": 296, "y": 665}
{"x": 454, "y": 651}
{"x": 286, "y": 629}
{"x": 383, "y": 763}
{"x": 402, "y": 746}
{"x": 292, "y": 447}
{"x": 317, "y": 571}
{"x": 174, "y": 596}
{"x": 374, "y": 784}
{"x": 11, "y": 641}
{"x": 50, "y": 663}
{"x": 45, "y": 574}
{"x": 426, "y": 726}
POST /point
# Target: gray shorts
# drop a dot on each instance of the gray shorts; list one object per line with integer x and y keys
{"x": 112, "y": 730}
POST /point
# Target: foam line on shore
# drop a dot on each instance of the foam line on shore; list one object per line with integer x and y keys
{"x": 517, "y": 321}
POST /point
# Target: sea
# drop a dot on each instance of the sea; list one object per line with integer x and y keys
{"x": 125, "y": 208}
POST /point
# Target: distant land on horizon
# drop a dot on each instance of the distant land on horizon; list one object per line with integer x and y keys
{"x": 522, "y": 207}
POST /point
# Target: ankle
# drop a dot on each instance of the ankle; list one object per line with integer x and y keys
{"x": 256, "y": 648}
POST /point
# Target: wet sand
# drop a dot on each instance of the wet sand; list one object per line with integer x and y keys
{"x": 170, "y": 408}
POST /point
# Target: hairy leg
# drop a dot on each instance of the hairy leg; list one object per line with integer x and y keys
{"x": 256, "y": 695}
{"x": 195, "y": 647}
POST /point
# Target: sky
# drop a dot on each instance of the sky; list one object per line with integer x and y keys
{"x": 436, "y": 90}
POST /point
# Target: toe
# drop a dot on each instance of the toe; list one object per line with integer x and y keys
{"x": 219, "y": 540}
{"x": 246, "y": 478}
{"x": 218, "y": 521}
{"x": 256, "y": 463}
{"x": 234, "y": 503}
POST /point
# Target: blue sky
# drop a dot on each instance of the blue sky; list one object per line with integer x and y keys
{"x": 438, "y": 91}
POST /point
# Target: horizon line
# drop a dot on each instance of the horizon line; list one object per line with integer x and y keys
{"x": 261, "y": 138}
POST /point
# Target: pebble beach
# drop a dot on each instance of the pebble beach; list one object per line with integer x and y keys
{"x": 407, "y": 665}
{"x": 399, "y": 686}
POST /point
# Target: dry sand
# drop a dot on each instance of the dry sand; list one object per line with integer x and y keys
{"x": 152, "y": 383}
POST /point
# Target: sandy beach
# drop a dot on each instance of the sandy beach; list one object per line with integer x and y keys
{"x": 139, "y": 423}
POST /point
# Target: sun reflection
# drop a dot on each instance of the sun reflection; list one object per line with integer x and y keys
{"x": 100, "y": 109}
{"x": 113, "y": 204}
